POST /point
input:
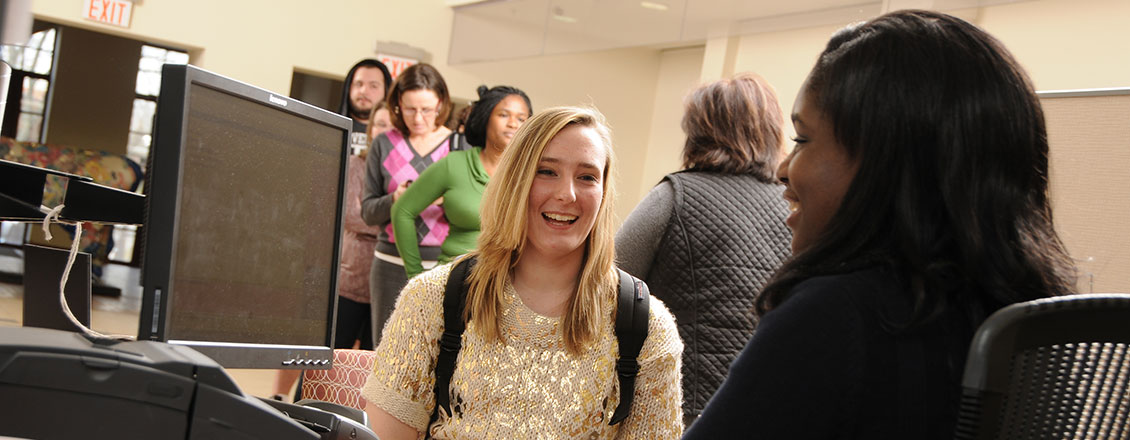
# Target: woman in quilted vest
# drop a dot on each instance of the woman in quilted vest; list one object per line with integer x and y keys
{"x": 539, "y": 351}
{"x": 706, "y": 239}
{"x": 918, "y": 186}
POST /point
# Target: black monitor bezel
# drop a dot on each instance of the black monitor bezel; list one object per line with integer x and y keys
{"x": 163, "y": 186}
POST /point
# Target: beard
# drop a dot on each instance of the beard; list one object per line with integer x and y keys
{"x": 360, "y": 115}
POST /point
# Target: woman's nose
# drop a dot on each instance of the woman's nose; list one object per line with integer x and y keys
{"x": 566, "y": 192}
{"x": 783, "y": 169}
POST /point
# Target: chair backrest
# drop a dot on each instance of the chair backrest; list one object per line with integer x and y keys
{"x": 1056, "y": 368}
{"x": 341, "y": 384}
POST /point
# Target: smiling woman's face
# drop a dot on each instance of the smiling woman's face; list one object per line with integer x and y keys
{"x": 505, "y": 119}
{"x": 816, "y": 174}
{"x": 566, "y": 193}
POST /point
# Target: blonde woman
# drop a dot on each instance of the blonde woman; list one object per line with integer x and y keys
{"x": 539, "y": 352}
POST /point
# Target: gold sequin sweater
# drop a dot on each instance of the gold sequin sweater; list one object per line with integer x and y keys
{"x": 528, "y": 387}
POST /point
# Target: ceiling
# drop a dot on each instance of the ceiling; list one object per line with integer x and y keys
{"x": 488, "y": 30}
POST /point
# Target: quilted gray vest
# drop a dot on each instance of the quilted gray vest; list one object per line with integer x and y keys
{"x": 725, "y": 238}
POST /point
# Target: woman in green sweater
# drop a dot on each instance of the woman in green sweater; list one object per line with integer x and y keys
{"x": 460, "y": 178}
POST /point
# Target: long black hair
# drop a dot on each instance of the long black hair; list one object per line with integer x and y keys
{"x": 951, "y": 190}
{"x": 346, "y": 108}
{"x": 476, "y": 125}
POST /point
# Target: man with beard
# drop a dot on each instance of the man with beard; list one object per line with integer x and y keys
{"x": 365, "y": 86}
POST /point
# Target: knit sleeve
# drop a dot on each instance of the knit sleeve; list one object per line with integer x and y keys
{"x": 657, "y": 405}
{"x": 376, "y": 201}
{"x": 638, "y": 238}
{"x": 403, "y": 378}
{"x": 354, "y": 186}
{"x": 431, "y": 185}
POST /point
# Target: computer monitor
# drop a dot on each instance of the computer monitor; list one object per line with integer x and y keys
{"x": 243, "y": 222}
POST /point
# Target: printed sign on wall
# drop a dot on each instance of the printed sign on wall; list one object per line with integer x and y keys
{"x": 395, "y": 64}
{"x": 112, "y": 12}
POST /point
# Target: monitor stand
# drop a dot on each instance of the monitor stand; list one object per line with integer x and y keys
{"x": 43, "y": 269}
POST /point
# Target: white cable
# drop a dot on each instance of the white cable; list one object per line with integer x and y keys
{"x": 53, "y": 216}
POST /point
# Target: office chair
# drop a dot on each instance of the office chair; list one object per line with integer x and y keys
{"x": 341, "y": 384}
{"x": 1055, "y": 368}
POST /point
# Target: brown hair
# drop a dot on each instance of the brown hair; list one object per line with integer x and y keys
{"x": 734, "y": 126}
{"x": 418, "y": 77}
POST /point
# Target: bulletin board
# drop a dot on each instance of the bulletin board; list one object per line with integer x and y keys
{"x": 1089, "y": 137}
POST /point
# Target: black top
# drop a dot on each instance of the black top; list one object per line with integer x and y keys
{"x": 827, "y": 364}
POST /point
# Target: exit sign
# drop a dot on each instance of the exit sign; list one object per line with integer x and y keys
{"x": 395, "y": 64}
{"x": 113, "y": 12}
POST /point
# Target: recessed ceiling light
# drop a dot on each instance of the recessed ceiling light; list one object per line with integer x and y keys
{"x": 653, "y": 5}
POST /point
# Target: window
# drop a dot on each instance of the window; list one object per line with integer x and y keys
{"x": 147, "y": 89}
{"x": 145, "y": 103}
{"x": 31, "y": 66}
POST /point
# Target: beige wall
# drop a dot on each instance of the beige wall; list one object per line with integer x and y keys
{"x": 1064, "y": 44}
{"x": 621, "y": 83}
{"x": 679, "y": 73}
{"x": 784, "y": 59}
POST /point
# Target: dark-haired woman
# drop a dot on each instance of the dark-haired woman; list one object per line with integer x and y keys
{"x": 416, "y": 101}
{"x": 707, "y": 238}
{"x": 919, "y": 193}
{"x": 460, "y": 178}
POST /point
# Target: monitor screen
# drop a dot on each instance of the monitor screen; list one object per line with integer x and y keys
{"x": 243, "y": 222}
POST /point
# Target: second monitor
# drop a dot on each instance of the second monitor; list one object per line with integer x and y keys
{"x": 243, "y": 223}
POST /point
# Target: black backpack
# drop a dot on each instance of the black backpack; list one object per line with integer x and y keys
{"x": 631, "y": 331}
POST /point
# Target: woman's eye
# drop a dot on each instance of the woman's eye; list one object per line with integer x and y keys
{"x": 545, "y": 172}
{"x": 798, "y": 139}
{"x": 589, "y": 178}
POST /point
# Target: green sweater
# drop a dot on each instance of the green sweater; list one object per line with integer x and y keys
{"x": 460, "y": 179}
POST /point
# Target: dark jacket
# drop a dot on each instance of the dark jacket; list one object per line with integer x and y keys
{"x": 827, "y": 364}
{"x": 725, "y": 238}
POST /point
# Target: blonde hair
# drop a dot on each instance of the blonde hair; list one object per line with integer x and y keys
{"x": 503, "y": 237}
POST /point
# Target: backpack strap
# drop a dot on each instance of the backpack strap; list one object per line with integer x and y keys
{"x": 632, "y": 311}
{"x": 454, "y": 301}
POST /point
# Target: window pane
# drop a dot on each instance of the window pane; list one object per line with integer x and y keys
{"x": 27, "y": 60}
{"x": 34, "y": 95}
{"x": 152, "y": 52}
{"x": 48, "y": 40}
{"x": 10, "y": 54}
{"x": 124, "y": 236}
{"x": 14, "y": 56}
{"x": 28, "y": 127}
{"x": 150, "y": 64}
{"x": 148, "y": 83}
{"x": 35, "y": 56}
{"x": 142, "y": 119}
{"x": 138, "y": 147}
{"x": 42, "y": 63}
{"x": 175, "y": 57}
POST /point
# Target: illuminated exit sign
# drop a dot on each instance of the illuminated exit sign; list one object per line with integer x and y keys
{"x": 395, "y": 64}
{"x": 113, "y": 12}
